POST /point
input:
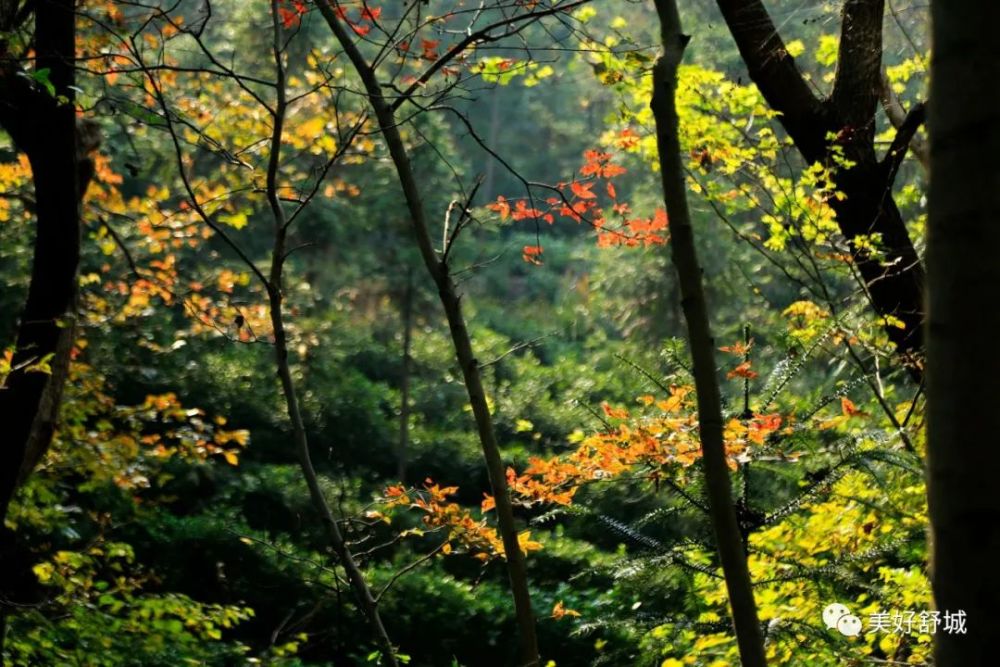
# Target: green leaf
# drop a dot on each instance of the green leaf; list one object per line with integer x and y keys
{"x": 41, "y": 76}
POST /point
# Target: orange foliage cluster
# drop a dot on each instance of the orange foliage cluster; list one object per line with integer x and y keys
{"x": 580, "y": 203}
{"x": 667, "y": 435}
{"x": 116, "y": 443}
{"x": 470, "y": 535}
{"x": 664, "y": 433}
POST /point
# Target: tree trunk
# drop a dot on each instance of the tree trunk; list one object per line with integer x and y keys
{"x": 723, "y": 514}
{"x": 366, "y": 601}
{"x": 894, "y": 283}
{"x": 44, "y": 127}
{"x": 439, "y": 272}
{"x": 963, "y": 372}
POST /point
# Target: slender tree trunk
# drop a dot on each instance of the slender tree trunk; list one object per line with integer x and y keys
{"x": 963, "y": 372}
{"x": 359, "y": 585}
{"x": 404, "y": 401}
{"x": 685, "y": 260}
{"x": 439, "y": 272}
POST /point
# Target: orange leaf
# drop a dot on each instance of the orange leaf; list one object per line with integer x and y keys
{"x": 849, "y": 409}
{"x": 560, "y": 611}
{"x": 582, "y": 190}
{"x": 500, "y": 206}
{"x": 530, "y": 254}
{"x": 488, "y": 503}
{"x": 742, "y": 371}
{"x": 739, "y": 349}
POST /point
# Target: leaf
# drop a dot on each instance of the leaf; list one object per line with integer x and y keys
{"x": 849, "y": 409}
{"x": 739, "y": 349}
{"x": 742, "y": 371}
{"x": 489, "y": 502}
{"x": 236, "y": 220}
{"x": 41, "y": 76}
{"x": 43, "y": 365}
{"x": 530, "y": 254}
{"x": 559, "y": 611}
{"x": 582, "y": 190}
{"x": 500, "y": 206}
{"x": 429, "y": 48}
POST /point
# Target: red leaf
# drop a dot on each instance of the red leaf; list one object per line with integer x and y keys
{"x": 531, "y": 253}
{"x": 849, "y": 409}
{"x": 582, "y": 190}
{"x": 429, "y": 47}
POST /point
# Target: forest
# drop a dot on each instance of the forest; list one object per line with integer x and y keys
{"x": 488, "y": 333}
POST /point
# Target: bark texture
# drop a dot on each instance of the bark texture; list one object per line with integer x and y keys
{"x": 685, "y": 260}
{"x": 963, "y": 372}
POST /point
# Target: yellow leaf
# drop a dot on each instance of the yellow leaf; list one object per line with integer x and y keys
{"x": 526, "y": 543}
{"x": 560, "y": 611}
{"x": 236, "y": 220}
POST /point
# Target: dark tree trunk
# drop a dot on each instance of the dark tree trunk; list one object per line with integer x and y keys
{"x": 439, "y": 271}
{"x": 44, "y": 127}
{"x": 729, "y": 542}
{"x": 963, "y": 371}
{"x": 894, "y": 282}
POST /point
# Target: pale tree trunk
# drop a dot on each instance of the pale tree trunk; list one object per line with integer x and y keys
{"x": 963, "y": 371}
{"x": 685, "y": 259}
{"x": 439, "y": 271}
{"x": 366, "y": 600}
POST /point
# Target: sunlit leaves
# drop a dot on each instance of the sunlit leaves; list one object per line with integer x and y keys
{"x": 559, "y": 611}
{"x": 461, "y": 532}
{"x": 580, "y": 201}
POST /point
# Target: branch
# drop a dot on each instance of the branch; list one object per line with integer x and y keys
{"x": 481, "y": 36}
{"x": 897, "y": 116}
{"x": 857, "y": 83}
{"x": 905, "y": 136}
{"x": 774, "y": 71}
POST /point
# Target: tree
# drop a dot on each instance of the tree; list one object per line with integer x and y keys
{"x": 39, "y": 114}
{"x": 963, "y": 279}
{"x": 846, "y": 119}
{"x": 439, "y": 272}
{"x": 37, "y": 110}
{"x": 732, "y": 551}
{"x": 158, "y": 72}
